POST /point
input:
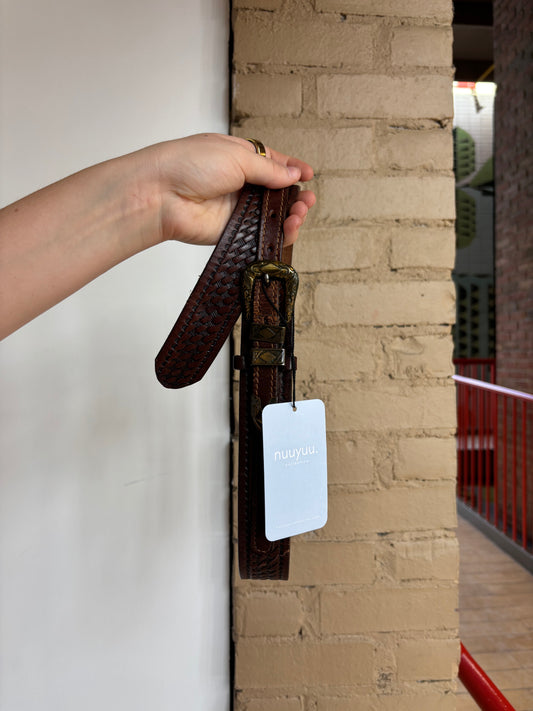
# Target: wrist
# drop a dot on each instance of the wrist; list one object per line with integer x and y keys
{"x": 138, "y": 201}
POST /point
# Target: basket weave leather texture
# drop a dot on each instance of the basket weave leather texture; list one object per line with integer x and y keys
{"x": 259, "y": 558}
{"x": 214, "y": 304}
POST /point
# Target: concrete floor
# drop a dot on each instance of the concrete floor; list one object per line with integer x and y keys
{"x": 495, "y": 618}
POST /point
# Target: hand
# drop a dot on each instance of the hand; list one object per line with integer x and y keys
{"x": 57, "y": 239}
{"x": 200, "y": 178}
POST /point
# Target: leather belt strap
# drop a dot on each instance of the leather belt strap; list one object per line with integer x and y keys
{"x": 253, "y": 234}
{"x": 267, "y": 365}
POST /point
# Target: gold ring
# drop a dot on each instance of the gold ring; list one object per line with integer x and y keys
{"x": 259, "y": 147}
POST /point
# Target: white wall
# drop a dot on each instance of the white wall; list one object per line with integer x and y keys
{"x": 113, "y": 490}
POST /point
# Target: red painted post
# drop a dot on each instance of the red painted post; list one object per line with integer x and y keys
{"x": 524, "y": 477}
{"x": 478, "y": 430}
{"x": 504, "y": 471}
{"x": 462, "y": 443}
{"x": 472, "y": 450}
{"x": 495, "y": 440}
{"x": 480, "y": 687}
{"x": 486, "y": 451}
{"x": 514, "y": 491}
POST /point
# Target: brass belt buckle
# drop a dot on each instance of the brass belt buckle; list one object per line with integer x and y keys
{"x": 260, "y": 332}
{"x": 270, "y": 270}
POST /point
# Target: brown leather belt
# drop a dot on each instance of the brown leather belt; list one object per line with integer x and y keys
{"x": 248, "y": 268}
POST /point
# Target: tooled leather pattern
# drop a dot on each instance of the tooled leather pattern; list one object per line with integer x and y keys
{"x": 214, "y": 304}
{"x": 260, "y": 558}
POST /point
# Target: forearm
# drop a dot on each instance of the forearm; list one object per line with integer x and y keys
{"x": 58, "y": 239}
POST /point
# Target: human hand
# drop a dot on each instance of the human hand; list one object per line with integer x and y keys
{"x": 88, "y": 222}
{"x": 200, "y": 178}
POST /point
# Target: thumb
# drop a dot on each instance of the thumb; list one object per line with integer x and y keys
{"x": 260, "y": 170}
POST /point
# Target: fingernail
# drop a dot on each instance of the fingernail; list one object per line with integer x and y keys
{"x": 293, "y": 171}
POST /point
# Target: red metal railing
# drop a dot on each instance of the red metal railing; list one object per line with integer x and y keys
{"x": 481, "y": 688}
{"x": 478, "y": 368}
{"x": 492, "y": 458}
{"x": 495, "y": 456}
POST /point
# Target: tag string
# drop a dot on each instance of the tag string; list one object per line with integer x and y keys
{"x": 281, "y": 317}
{"x": 293, "y": 371}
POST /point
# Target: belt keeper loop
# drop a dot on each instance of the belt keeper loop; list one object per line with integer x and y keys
{"x": 238, "y": 362}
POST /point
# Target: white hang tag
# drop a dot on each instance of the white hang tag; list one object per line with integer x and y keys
{"x": 295, "y": 465}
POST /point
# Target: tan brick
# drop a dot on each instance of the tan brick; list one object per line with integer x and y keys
{"x": 426, "y": 458}
{"x": 380, "y": 96}
{"x": 401, "y": 197}
{"x": 277, "y": 703}
{"x": 326, "y": 563}
{"x": 305, "y": 303}
{"x": 422, "y": 46}
{"x": 423, "y": 247}
{"x": 408, "y": 702}
{"x": 340, "y": 248}
{"x": 324, "y": 149}
{"x": 438, "y": 9}
{"x": 267, "y": 95}
{"x": 424, "y": 560}
{"x": 350, "y": 459}
{"x": 427, "y": 659}
{"x": 396, "y": 509}
{"x": 258, "y": 4}
{"x": 429, "y": 356}
{"x": 338, "y": 149}
{"x": 388, "y": 610}
{"x": 407, "y": 150}
{"x": 335, "y": 353}
{"x": 268, "y": 615}
{"x": 264, "y": 665}
{"x": 351, "y": 409}
{"x": 332, "y": 43}
{"x": 386, "y": 303}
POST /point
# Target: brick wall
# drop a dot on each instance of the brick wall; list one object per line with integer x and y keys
{"x": 362, "y": 90}
{"x": 513, "y": 130}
